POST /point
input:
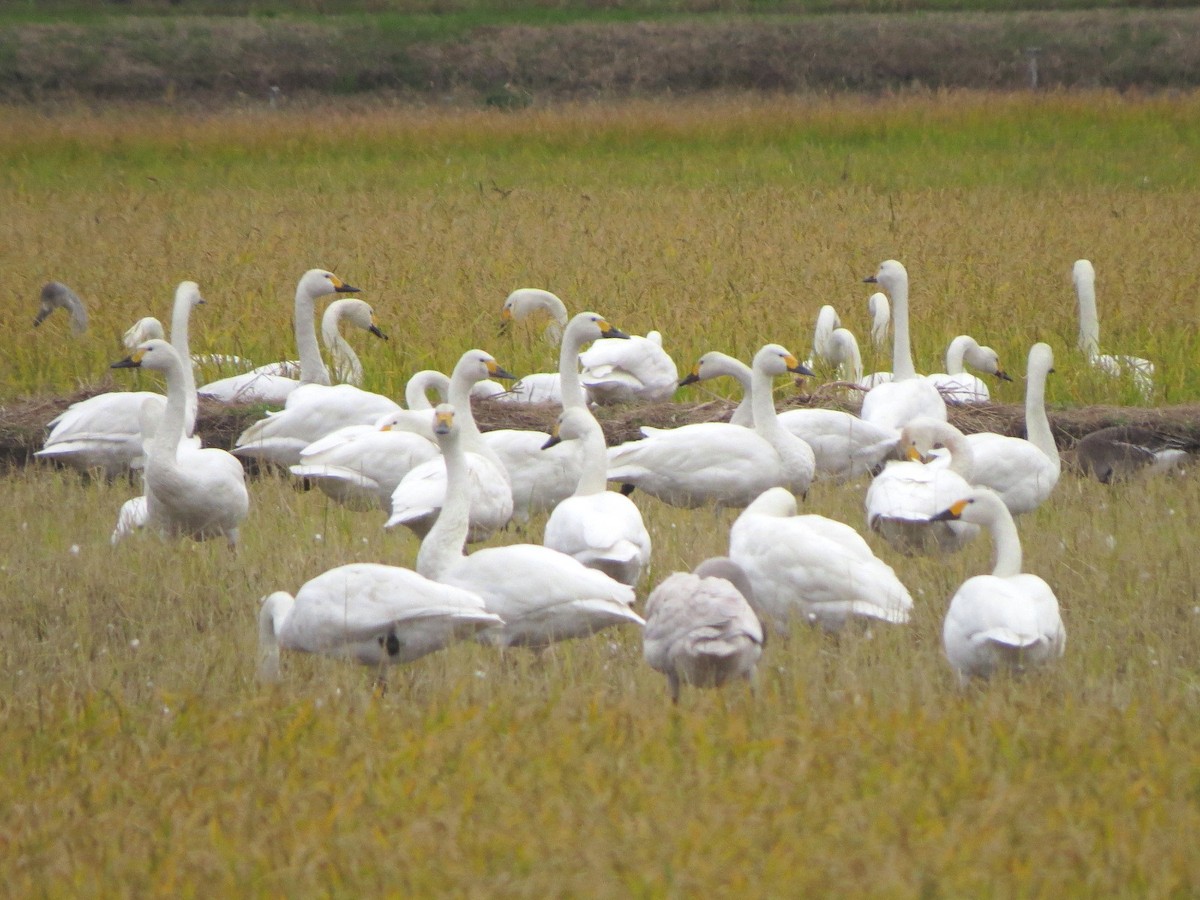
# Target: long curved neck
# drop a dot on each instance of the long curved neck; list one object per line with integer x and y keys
{"x": 902, "y": 363}
{"x": 1007, "y": 543}
{"x": 962, "y": 458}
{"x": 762, "y": 402}
{"x": 850, "y": 366}
{"x": 1037, "y": 423}
{"x": 881, "y": 315}
{"x": 1089, "y": 319}
{"x": 568, "y": 371}
{"x": 955, "y": 354}
{"x": 460, "y": 398}
{"x": 558, "y": 313}
{"x": 443, "y": 545}
{"x": 275, "y": 610}
{"x": 594, "y": 468}
{"x": 416, "y": 392}
{"x": 346, "y": 366}
{"x": 312, "y": 368}
{"x": 744, "y": 414}
{"x": 180, "y": 317}
{"x": 165, "y": 442}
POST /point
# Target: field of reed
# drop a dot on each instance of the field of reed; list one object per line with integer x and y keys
{"x": 144, "y": 756}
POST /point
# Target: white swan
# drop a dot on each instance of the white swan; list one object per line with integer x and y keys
{"x": 368, "y": 613}
{"x": 1022, "y": 472}
{"x": 701, "y": 628}
{"x": 956, "y": 384}
{"x": 267, "y": 386}
{"x": 149, "y": 328}
{"x": 843, "y": 445}
{"x": 716, "y": 462}
{"x": 907, "y": 396}
{"x": 827, "y": 322}
{"x": 1121, "y": 451}
{"x": 1140, "y": 370}
{"x": 542, "y": 595}
{"x": 190, "y": 492}
{"x": 601, "y": 528}
{"x": 812, "y": 568}
{"x": 421, "y": 494}
{"x": 56, "y": 295}
{"x": 542, "y": 479}
{"x": 880, "y": 311}
{"x": 903, "y": 499}
{"x": 105, "y": 432}
{"x": 1006, "y": 619}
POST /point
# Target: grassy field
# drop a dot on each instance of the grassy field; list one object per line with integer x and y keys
{"x": 145, "y": 758}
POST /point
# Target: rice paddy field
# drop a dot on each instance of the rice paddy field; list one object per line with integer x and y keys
{"x": 142, "y": 755}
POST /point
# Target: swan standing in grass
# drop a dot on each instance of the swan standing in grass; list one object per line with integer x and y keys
{"x": 421, "y": 494}
{"x": 542, "y": 595}
{"x": 56, "y": 295}
{"x": 812, "y": 568}
{"x": 372, "y": 614}
{"x": 701, "y": 628}
{"x": 716, "y": 462}
{"x": 267, "y": 386}
{"x": 1008, "y": 619}
{"x": 105, "y": 432}
{"x": 601, "y": 528}
{"x": 1022, "y": 472}
{"x": 843, "y": 445}
{"x": 1140, "y": 370}
{"x": 903, "y": 499}
{"x": 907, "y": 396}
{"x": 1122, "y": 451}
{"x": 956, "y": 384}
{"x": 190, "y": 492}
{"x": 542, "y": 479}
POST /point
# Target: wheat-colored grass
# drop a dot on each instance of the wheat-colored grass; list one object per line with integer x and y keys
{"x": 143, "y": 757}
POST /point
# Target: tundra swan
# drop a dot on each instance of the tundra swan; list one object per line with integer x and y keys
{"x": 1140, "y": 370}
{"x": 701, "y": 628}
{"x": 190, "y": 492}
{"x": 602, "y": 529}
{"x": 421, "y": 493}
{"x": 904, "y": 497}
{"x": 105, "y": 432}
{"x": 56, "y": 295}
{"x": 956, "y": 384}
{"x": 907, "y": 395}
{"x": 714, "y": 364}
{"x": 716, "y": 462}
{"x": 267, "y": 386}
{"x": 369, "y": 613}
{"x": 542, "y": 595}
{"x": 811, "y": 567}
{"x": 1022, "y": 472}
{"x": 1007, "y": 619}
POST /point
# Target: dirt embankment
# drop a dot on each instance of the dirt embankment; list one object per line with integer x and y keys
{"x": 223, "y": 59}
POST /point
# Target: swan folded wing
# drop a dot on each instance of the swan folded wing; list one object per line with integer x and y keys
{"x": 251, "y": 387}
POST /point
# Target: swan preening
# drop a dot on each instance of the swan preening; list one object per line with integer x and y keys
{"x": 190, "y": 492}
{"x": 372, "y": 614}
{"x": 1141, "y": 371}
{"x": 542, "y": 595}
{"x": 1008, "y": 619}
{"x": 56, "y": 295}
{"x": 701, "y": 628}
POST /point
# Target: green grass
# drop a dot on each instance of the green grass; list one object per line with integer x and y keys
{"x": 144, "y": 757}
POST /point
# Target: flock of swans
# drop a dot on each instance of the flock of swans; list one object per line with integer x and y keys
{"x": 430, "y": 469}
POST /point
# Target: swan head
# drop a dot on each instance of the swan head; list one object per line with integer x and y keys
{"x": 354, "y": 312}
{"x": 890, "y": 274}
{"x": 590, "y": 326}
{"x": 774, "y": 359}
{"x": 444, "y": 425}
{"x": 156, "y": 354}
{"x": 777, "y": 501}
{"x": 56, "y": 295}
{"x": 573, "y": 424}
{"x": 318, "y": 282}
{"x": 922, "y": 435}
{"x": 478, "y": 365}
{"x": 980, "y": 507}
{"x": 713, "y": 365}
{"x": 523, "y": 302}
{"x": 1083, "y": 275}
{"x": 189, "y": 292}
{"x": 1041, "y": 358}
{"x": 985, "y": 359}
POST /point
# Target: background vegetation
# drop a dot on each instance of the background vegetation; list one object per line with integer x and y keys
{"x": 144, "y": 757}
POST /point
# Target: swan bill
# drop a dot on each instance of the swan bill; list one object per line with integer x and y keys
{"x": 133, "y": 361}
{"x": 953, "y": 513}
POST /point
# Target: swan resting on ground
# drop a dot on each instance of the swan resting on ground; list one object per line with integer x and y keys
{"x": 701, "y": 628}
{"x": 542, "y": 595}
{"x": 956, "y": 384}
{"x": 1122, "y": 451}
{"x": 372, "y": 614}
{"x": 1007, "y": 619}
{"x": 812, "y": 568}
{"x": 196, "y": 493}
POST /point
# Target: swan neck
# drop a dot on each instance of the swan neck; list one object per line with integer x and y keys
{"x": 962, "y": 458}
{"x": 165, "y": 442}
{"x": 955, "y": 354}
{"x": 902, "y": 362}
{"x": 180, "y": 318}
{"x": 460, "y": 399}
{"x": 1089, "y": 319}
{"x": 1007, "y": 545}
{"x": 1037, "y": 423}
{"x": 275, "y": 611}
{"x": 593, "y": 474}
{"x": 762, "y": 403}
{"x": 312, "y": 368}
{"x": 850, "y": 367}
{"x": 443, "y": 545}
{"x": 568, "y": 371}
{"x": 346, "y": 366}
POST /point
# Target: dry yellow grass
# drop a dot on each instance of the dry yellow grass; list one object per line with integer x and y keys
{"x": 143, "y": 757}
